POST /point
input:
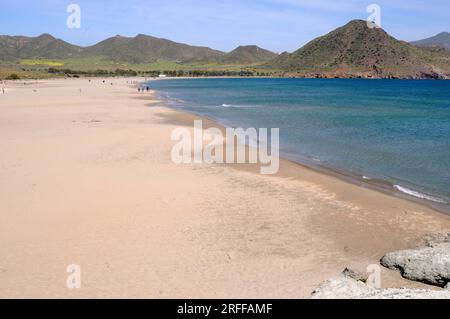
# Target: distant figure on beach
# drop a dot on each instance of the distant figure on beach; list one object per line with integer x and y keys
{"x": 139, "y": 90}
{"x": 103, "y": 81}
{"x": 148, "y": 89}
{"x": 3, "y": 90}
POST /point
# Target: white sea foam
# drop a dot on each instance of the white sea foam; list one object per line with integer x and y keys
{"x": 418, "y": 195}
{"x": 236, "y": 106}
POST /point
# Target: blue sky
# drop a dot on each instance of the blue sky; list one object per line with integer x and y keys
{"x": 278, "y": 25}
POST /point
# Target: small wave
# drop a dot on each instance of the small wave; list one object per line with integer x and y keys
{"x": 236, "y": 106}
{"x": 366, "y": 177}
{"x": 418, "y": 195}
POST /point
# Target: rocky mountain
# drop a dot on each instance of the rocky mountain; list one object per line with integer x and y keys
{"x": 355, "y": 50}
{"x": 441, "y": 40}
{"x": 250, "y": 54}
{"x": 43, "y": 46}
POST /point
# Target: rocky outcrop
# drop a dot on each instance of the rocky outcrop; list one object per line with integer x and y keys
{"x": 434, "y": 239}
{"x": 342, "y": 287}
{"x": 346, "y": 287}
{"x": 407, "y": 294}
{"x": 430, "y": 264}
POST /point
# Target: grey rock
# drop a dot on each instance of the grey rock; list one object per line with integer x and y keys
{"x": 433, "y": 239}
{"x": 344, "y": 287}
{"x": 341, "y": 287}
{"x": 430, "y": 265}
{"x": 407, "y": 294}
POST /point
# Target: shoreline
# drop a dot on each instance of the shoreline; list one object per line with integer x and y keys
{"x": 375, "y": 183}
{"x": 86, "y": 178}
{"x": 34, "y": 79}
{"x": 294, "y": 170}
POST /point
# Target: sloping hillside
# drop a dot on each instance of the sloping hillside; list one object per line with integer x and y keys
{"x": 357, "y": 50}
{"x": 43, "y": 46}
{"x": 147, "y": 49}
{"x": 441, "y": 40}
{"x": 250, "y": 54}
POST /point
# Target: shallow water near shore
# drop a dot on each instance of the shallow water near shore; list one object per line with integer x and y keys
{"x": 392, "y": 134}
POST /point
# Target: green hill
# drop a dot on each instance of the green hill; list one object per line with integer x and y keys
{"x": 142, "y": 49}
{"x": 44, "y": 46}
{"x": 147, "y": 49}
{"x": 356, "y": 50}
{"x": 250, "y": 54}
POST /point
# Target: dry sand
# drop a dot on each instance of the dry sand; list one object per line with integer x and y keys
{"x": 86, "y": 178}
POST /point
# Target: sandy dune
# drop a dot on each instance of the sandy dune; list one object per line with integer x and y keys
{"x": 86, "y": 178}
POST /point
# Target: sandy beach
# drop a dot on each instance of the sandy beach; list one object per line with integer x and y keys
{"x": 86, "y": 178}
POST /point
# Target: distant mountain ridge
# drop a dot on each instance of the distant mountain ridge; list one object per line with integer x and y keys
{"x": 357, "y": 50}
{"x": 440, "y": 40}
{"x": 139, "y": 49}
{"x": 45, "y": 46}
{"x": 353, "y": 50}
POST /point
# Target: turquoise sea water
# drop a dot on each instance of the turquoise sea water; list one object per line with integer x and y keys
{"x": 396, "y": 132}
